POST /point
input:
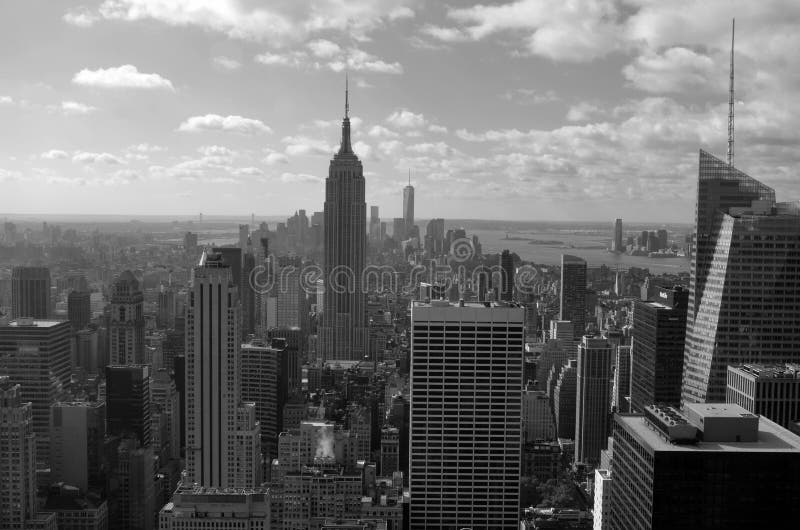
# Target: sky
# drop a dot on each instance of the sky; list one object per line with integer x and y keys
{"x": 519, "y": 110}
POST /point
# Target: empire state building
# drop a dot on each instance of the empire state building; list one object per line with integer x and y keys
{"x": 343, "y": 330}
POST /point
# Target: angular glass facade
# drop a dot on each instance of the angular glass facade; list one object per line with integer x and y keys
{"x": 744, "y": 294}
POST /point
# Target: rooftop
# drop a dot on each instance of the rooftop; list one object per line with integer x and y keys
{"x": 772, "y": 437}
{"x": 464, "y": 304}
{"x": 30, "y": 323}
{"x": 768, "y": 371}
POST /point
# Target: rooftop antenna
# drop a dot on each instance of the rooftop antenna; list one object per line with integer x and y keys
{"x": 730, "y": 101}
{"x": 346, "y": 96}
{"x": 409, "y": 176}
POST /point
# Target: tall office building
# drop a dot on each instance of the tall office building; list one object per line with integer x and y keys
{"x": 621, "y": 391}
{"x": 126, "y": 329}
{"x": 408, "y": 208}
{"x": 77, "y": 431}
{"x": 132, "y": 495}
{"x": 466, "y": 399}
{"x": 592, "y": 399}
{"x": 18, "y": 506}
{"x": 772, "y": 391}
{"x": 617, "y": 244}
{"x": 564, "y": 398}
{"x": 399, "y": 229}
{"x": 35, "y": 354}
{"x": 434, "y": 237}
{"x": 217, "y": 436}
{"x": 573, "y": 293}
{"x": 744, "y": 290}
{"x": 290, "y": 297}
{"x": 537, "y": 416}
{"x": 30, "y": 292}
{"x": 343, "y": 331}
{"x": 128, "y": 402}
{"x": 659, "y": 332}
{"x": 244, "y": 235}
{"x": 165, "y": 402}
{"x": 506, "y": 289}
{"x": 167, "y": 308}
{"x": 247, "y": 293}
{"x": 374, "y": 224}
{"x": 79, "y": 309}
{"x": 712, "y": 466}
{"x": 263, "y": 385}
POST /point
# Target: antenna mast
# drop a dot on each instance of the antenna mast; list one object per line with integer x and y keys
{"x": 346, "y": 95}
{"x": 731, "y": 101}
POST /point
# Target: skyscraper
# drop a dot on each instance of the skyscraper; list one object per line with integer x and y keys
{"x": 592, "y": 399}
{"x": 744, "y": 290}
{"x": 659, "y": 331}
{"x": 18, "y": 506}
{"x": 79, "y": 309}
{"x": 466, "y": 400}
{"x": 712, "y": 466}
{"x": 262, "y": 384}
{"x": 35, "y": 354}
{"x": 507, "y": 276}
{"x": 770, "y": 391}
{"x": 126, "y": 329}
{"x": 564, "y": 397}
{"x": 616, "y": 243}
{"x": 128, "y": 402}
{"x": 408, "y": 208}
{"x": 343, "y": 331}
{"x": 77, "y": 430}
{"x": 30, "y": 292}
{"x": 217, "y": 436}
{"x": 573, "y": 293}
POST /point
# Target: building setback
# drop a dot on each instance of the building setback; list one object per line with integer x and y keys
{"x": 771, "y": 391}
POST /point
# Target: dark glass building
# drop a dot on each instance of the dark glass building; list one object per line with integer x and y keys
{"x": 79, "y": 309}
{"x": 573, "y": 293}
{"x": 659, "y": 330}
{"x": 128, "y": 402}
{"x": 30, "y": 292}
{"x": 713, "y": 466}
{"x": 507, "y": 276}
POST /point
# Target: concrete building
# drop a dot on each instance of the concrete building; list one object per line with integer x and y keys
{"x": 716, "y": 466}
{"x": 592, "y": 399}
{"x": 18, "y": 506}
{"x": 621, "y": 391}
{"x": 165, "y": 402}
{"x": 30, "y": 292}
{"x": 263, "y": 385}
{"x": 35, "y": 354}
{"x": 76, "y": 511}
{"x": 466, "y": 369}
{"x": 126, "y": 328}
{"x": 602, "y": 495}
{"x": 315, "y": 494}
{"x": 218, "y": 425}
{"x": 772, "y": 391}
{"x": 131, "y": 491}
{"x": 199, "y": 508}
{"x": 572, "y": 295}
{"x": 659, "y": 333}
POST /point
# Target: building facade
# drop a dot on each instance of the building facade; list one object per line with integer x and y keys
{"x": 573, "y": 293}
{"x": 30, "y": 292}
{"x": 772, "y": 391}
{"x": 465, "y": 427}
{"x": 592, "y": 399}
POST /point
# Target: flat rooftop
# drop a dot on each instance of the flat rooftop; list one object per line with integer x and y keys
{"x": 472, "y": 305}
{"x": 772, "y": 438}
{"x": 768, "y": 371}
{"x": 26, "y": 323}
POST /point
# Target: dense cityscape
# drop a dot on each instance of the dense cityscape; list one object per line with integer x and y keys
{"x": 338, "y": 370}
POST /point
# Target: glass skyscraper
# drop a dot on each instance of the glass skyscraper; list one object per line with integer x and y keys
{"x": 744, "y": 293}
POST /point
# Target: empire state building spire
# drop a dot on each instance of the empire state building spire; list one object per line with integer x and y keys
{"x": 345, "y": 147}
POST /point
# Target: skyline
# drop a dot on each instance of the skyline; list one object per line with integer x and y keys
{"x": 606, "y": 125}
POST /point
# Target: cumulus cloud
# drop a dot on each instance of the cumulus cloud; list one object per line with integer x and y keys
{"x": 530, "y": 96}
{"x": 73, "y": 107}
{"x": 55, "y": 154}
{"x": 86, "y": 157}
{"x": 125, "y": 76}
{"x": 406, "y": 119}
{"x": 226, "y": 63}
{"x": 215, "y": 122}
{"x": 328, "y": 55}
{"x": 324, "y": 48}
{"x": 274, "y": 158}
{"x": 300, "y": 178}
{"x": 304, "y": 145}
{"x": 676, "y": 69}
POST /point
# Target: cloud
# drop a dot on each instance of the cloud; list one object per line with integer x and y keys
{"x": 125, "y": 76}
{"x": 324, "y": 49}
{"x": 300, "y": 178}
{"x": 6, "y": 100}
{"x": 9, "y": 175}
{"x": 215, "y": 150}
{"x": 274, "y": 158}
{"x": 146, "y": 148}
{"x": 55, "y": 154}
{"x": 438, "y": 129}
{"x": 329, "y": 56}
{"x": 676, "y": 69}
{"x": 73, "y": 108}
{"x": 406, "y": 119}
{"x": 445, "y": 34}
{"x": 583, "y": 111}
{"x": 379, "y": 131}
{"x": 91, "y": 158}
{"x": 81, "y": 17}
{"x": 248, "y": 172}
{"x": 530, "y": 96}
{"x": 304, "y": 145}
{"x": 226, "y": 63}
{"x": 215, "y": 122}
{"x": 278, "y": 23}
